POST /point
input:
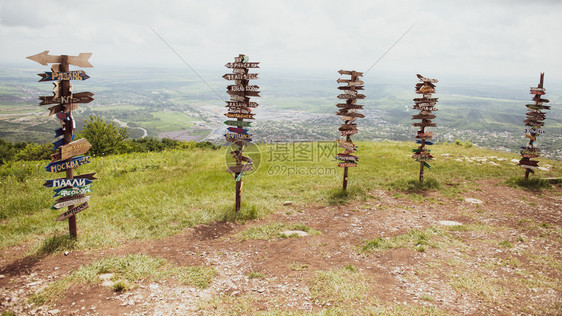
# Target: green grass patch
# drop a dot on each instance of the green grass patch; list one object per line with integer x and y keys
{"x": 416, "y": 238}
{"x": 415, "y": 185}
{"x": 126, "y": 271}
{"x": 533, "y": 184}
{"x": 338, "y": 286}
{"x": 273, "y": 231}
{"x": 255, "y": 275}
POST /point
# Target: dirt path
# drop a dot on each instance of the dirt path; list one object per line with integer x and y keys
{"x": 504, "y": 259}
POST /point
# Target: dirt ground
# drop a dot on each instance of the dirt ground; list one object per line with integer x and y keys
{"x": 504, "y": 259}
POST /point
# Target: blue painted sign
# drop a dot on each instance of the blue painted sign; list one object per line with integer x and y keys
{"x": 69, "y": 75}
{"x": 59, "y": 132}
{"x": 74, "y": 182}
{"x": 426, "y": 142}
{"x": 65, "y": 165}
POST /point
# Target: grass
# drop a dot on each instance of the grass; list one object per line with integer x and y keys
{"x": 415, "y": 238}
{"x": 137, "y": 196}
{"x": 338, "y": 286}
{"x": 415, "y": 185}
{"x": 273, "y": 231}
{"x": 126, "y": 271}
{"x": 255, "y": 275}
{"x": 533, "y": 184}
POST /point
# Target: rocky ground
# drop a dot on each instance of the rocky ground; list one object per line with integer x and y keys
{"x": 491, "y": 250}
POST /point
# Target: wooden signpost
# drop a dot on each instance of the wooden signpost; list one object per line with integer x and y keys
{"x": 348, "y": 113}
{"x": 239, "y": 108}
{"x": 426, "y": 105}
{"x": 73, "y": 188}
{"x": 534, "y": 121}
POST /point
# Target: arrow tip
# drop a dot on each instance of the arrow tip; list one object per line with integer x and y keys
{"x": 40, "y": 58}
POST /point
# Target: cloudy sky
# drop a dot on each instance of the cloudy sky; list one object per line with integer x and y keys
{"x": 495, "y": 39}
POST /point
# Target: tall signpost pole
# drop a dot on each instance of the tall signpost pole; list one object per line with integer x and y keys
{"x": 240, "y": 108}
{"x": 348, "y": 113}
{"x": 534, "y": 121}
{"x": 426, "y": 105}
{"x": 72, "y": 188}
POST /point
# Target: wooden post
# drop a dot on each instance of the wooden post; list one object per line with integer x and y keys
{"x": 527, "y": 173}
{"x": 238, "y": 195}
{"x": 65, "y": 88}
{"x": 345, "y": 178}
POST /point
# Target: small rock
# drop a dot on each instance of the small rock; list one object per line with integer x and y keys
{"x": 449, "y": 223}
{"x": 106, "y": 276}
{"x": 2, "y": 276}
{"x": 66, "y": 253}
{"x": 299, "y": 233}
{"x": 473, "y": 201}
{"x": 287, "y": 203}
{"x": 54, "y": 311}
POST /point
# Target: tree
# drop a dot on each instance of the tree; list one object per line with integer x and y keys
{"x": 106, "y": 138}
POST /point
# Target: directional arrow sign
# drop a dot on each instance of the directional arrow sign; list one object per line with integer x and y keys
{"x": 422, "y": 78}
{"x": 351, "y": 96}
{"x": 65, "y": 165}
{"x": 238, "y": 115}
{"x": 233, "y": 136}
{"x": 344, "y": 112}
{"x": 237, "y": 123}
{"x": 243, "y": 65}
{"x": 238, "y": 130}
{"x": 70, "y": 75}
{"x": 80, "y": 199}
{"x": 347, "y": 164}
{"x": 78, "y": 147}
{"x": 241, "y": 103}
{"x": 244, "y": 93}
{"x": 239, "y": 168}
{"x": 350, "y": 72}
{"x": 59, "y": 142}
{"x": 350, "y": 87}
{"x": 427, "y": 142}
{"x": 59, "y": 132}
{"x": 73, "y": 191}
{"x": 242, "y": 88}
{"x": 66, "y": 182}
{"x": 80, "y": 97}
{"x": 423, "y": 117}
{"x": 347, "y": 157}
{"x": 240, "y": 76}
{"x": 72, "y": 211}
{"x": 351, "y": 82}
{"x": 80, "y": 61}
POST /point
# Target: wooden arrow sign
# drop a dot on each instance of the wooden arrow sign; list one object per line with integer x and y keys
{"x": 424, "y": 124}
{"x": 345, "y": 157}
{"x": 59, "y": 132}
{"x": 426, "y": 90}
{"x": 351, "y": 88}
{"x": 243, "y": 65}
{"x": 80, "y": 61}
{"x": 423, "y": 117}
{"x": 80, "y": 97}
{"x": 70, "y": 75}
{"x": 348, "y": 119}
{"x": 533, "y": 131}
{"x": 237, "y": 123}
{"x": 244, "y": 93}
{"x": 350, "y": 106}
{"x": 528, "y": 162}
{"x": 72, "y": 211}
{"x": 240, "y": 76}
{"x": 233, "y": 136}
{"x": 78, "y": 147}
{"x": 240, "y": 168}
{"x": 73, "y": 191}
{"x": 348, "y": 132}
{"x": 346, "y": 127}
{"x": 429, "y": 84}
{"x": 77, "y": 199}
{"x": 426, "y": 135}
{"x": 65, "y": 165}
{"x": 241, "y": 103}
{"x": 344, "y": 112}
{"x": 238, "y": 115}
{"x": 243, "y": 88}
{"x": 422, "y": 78}
{"x": 347, "y": 144}
{"x": 538, "y": 107}
{"x": 347, "y": 164}
{"x": 350, "y": 72}
{"x": 425, "y": 100}
{"x": 351, "y": 96}
{"x": 350, "y": 82}
{"x": 59, "y": 142}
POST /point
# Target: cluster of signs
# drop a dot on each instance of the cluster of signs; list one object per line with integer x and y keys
{"x": 71, "y": 190}
{"x": 426, "y": 105}
{"x": 240, "y": 108}
{"x": 534, "y": 121}
{"x": 348, "y": 113}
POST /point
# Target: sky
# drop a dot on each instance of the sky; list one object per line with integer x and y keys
{"x": 513, "y": 39}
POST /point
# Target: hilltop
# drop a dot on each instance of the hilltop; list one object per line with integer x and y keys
{"x": 161, "y": 230}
